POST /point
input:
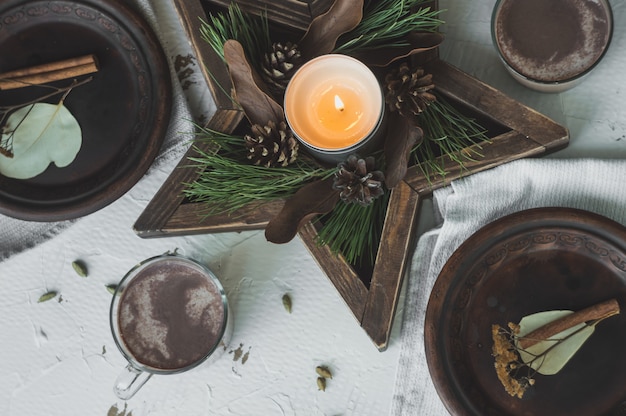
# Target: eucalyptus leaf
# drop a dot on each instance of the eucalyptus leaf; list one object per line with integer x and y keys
{"x": 550, "y": 356}
{"x": 41, "y": 134}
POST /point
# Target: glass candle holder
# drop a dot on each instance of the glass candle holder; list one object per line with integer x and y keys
{"x": 335, "y": 106}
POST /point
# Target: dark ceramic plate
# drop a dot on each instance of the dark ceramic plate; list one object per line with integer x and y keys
{"x": 123, "y": 112}
{"x": 531, "y": 261}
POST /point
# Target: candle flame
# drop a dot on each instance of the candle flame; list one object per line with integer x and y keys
{"x": 338, "y": 103}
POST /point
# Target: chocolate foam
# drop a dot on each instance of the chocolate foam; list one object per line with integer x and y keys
{"x": 170, "y": 315}
{"x": 552, "y": 40}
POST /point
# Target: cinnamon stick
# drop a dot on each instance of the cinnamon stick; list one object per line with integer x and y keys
{"x": 49, "y": 72}
{"x": 599, "y": 311}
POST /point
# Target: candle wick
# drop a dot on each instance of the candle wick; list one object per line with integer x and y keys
{"x": 338, "y": 103}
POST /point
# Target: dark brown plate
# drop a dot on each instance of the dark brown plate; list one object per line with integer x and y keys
{"x": 123, "y": 112}
{"x": 531, "y": 261}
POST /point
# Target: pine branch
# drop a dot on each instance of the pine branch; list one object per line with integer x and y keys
{"x": 251, "y": 31}
{"x": 386, "y": 23}
{"x": 447, "y": 135}
{"x": 228, "y": 182}
{"x": 354, "y": 230}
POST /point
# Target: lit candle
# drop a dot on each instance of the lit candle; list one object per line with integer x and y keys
{"x": 334, "y": 105}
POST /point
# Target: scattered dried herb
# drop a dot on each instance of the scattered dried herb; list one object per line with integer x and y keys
{"x": 323, "y": 371}
{"x": 287, "y": 302}
{"x": 245, "y": 357}
{"x": 80, "y": 268}
{"x": 114, "y": 411}
{"x": 47, "y": 296}
{"x": 238, "y": 353}
{"x": 111, "y": 288}
{"x": 321, "y": 383}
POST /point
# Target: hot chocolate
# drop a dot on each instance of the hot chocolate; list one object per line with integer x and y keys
{"x": 552, "y": 41}
{"x": 171, "y": 315}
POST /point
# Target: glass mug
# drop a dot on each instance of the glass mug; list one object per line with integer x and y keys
{"x": 168, "y": 315}
{"x": 550, "y": 46}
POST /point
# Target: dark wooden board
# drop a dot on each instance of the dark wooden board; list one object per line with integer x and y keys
{"x": 521, "y": 133}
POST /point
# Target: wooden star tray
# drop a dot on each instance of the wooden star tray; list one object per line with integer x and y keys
{"x": 515, "y": 132}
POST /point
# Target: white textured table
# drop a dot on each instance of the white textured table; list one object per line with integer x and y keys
{"x": 58, "y": 357}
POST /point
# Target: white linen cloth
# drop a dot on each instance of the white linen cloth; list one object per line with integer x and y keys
{"x": 463, "y": 208}
{"x": 17, "y": 235}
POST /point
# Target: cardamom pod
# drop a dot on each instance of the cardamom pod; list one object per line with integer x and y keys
{"x": 287, "y": 302}
{"x": 323, "y": 371}
{"x": 321, "y": 383}
{"x": 111, "y": 288}
{"x": 47, "y": 296}
{"x": 80, "y": 268}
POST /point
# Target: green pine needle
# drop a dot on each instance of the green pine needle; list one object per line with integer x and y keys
{"x": 354, "y": 230}
{"x": 447, "y": 134}
{"x": 228, "y": 182}
{"x": 251, "y": 31}
{"x": 386, "y": 23}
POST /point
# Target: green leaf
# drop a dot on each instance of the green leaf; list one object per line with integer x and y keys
{"x": 42, "y": 134}
{"x": 550, "y": 356}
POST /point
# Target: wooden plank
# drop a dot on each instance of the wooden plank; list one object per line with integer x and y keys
{"x": 211, "y": 65}
{"x": 253, "y": 217}
{"x": 492, "y": 103}
{"x": 391, "y": 263}
{"x": 501, "y": 149}
{"x": 155, "y": 220}
{"x": 167, "y": 199}
{"x": 338, "y": 271}
{"x": 526, "y": 133}
{"x": 152, "y": 222}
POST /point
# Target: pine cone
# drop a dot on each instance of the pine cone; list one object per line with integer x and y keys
{"x": 358, "y": 180}
{"x": 271, "y": 145}
{"x": 408, "y": 92}
{"x": 279, "y": 65}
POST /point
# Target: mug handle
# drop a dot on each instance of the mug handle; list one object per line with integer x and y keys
{"x": 129, "y": 382}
